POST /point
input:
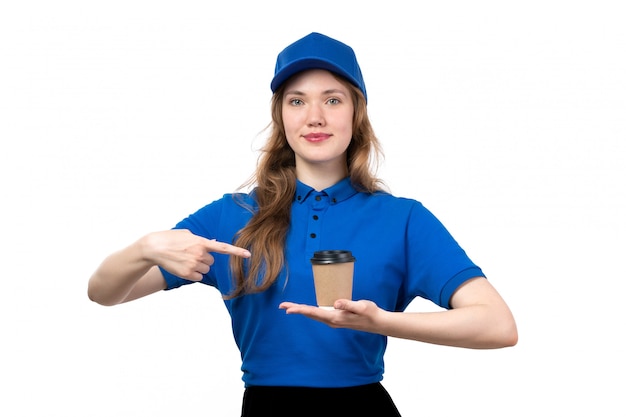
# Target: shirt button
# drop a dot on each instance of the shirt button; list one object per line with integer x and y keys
{"x": 313, "y": 235}
{"x": 315, "y": 217}
{"x": 318, "y": 198}
{"x": 334, "y": 200}
{"x": 299, "y": 197}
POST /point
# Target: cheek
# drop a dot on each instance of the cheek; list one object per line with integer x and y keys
{"x": 345, "y": 120}
{"x": 346, "y": 128}
{"x": 290, "y": 133}
{"x": 290, "y": 123}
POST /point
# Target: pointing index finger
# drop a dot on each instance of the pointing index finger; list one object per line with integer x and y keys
{"x": 226, "y": 248}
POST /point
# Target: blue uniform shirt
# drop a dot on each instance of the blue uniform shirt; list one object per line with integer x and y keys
{"x": 402, "y": 251}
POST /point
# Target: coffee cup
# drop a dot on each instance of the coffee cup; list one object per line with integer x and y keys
{"x": 333, "y": 272}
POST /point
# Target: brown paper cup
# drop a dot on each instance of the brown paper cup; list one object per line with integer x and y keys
{"x": 333, "y": 275}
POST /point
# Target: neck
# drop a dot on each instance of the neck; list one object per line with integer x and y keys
{"x": 322, "y": 176}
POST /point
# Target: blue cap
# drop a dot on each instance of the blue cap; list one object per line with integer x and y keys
{"x": 317, "y": 51}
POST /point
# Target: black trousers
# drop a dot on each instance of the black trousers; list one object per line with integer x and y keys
{"x": 370, "y": 400}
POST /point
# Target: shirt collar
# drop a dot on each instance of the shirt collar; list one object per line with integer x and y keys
{"x": 337, "y": 193}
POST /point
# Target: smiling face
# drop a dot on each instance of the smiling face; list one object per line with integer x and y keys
{"x": 317, "y": 112}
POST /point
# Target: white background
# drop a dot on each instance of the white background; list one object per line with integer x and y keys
{"x": 506, "y": 119}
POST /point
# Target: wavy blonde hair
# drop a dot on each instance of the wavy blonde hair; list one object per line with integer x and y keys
{"x": 275, "y": 187}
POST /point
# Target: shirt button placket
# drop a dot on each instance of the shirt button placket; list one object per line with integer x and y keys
{"x": 319, "y": 204}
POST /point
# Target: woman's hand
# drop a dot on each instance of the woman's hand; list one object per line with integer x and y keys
{"x": 357, "y": 315}
{"x": 479, "y": 319}
{"x": 185, "y": 254}
{"x": 133, "y": 272}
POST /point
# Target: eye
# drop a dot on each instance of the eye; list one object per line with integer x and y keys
{"x": 295, "y": 102}
{"x": 333, "y": 101}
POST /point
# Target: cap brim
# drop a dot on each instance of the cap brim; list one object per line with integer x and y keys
{"x": 304, "y": 64}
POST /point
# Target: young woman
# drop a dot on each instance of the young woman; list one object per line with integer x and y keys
{"x": 314, "y": 190}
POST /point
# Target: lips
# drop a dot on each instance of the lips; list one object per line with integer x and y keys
{"x": 316, "y": 137}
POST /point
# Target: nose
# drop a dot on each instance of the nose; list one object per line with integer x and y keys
{"x": 315, "y": 116}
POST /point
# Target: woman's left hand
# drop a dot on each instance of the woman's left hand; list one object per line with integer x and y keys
{"x": 479, "y": 319}
{"x": 356, "y": 315}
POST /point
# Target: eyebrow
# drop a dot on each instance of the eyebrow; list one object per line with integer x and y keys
{"x": 325, "y": 92}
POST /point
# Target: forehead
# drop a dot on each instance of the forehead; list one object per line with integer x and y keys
{"x": 313, "y": 79}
